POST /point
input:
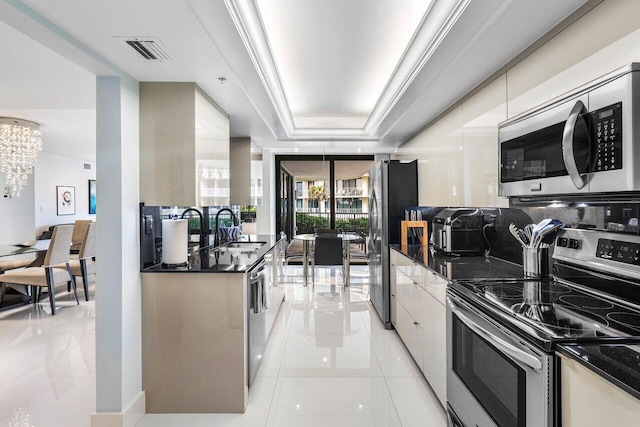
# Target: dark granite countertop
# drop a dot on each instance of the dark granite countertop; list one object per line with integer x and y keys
{"x": 461, "y": 267}
{"x": 220, "y": 259}
{"x": 617, "y": 363}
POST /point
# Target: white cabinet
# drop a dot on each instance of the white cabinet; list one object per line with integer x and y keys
{"x": 410, "y": 332}
{"x": 418, "y": 313}
{"x": 590, "y": 400}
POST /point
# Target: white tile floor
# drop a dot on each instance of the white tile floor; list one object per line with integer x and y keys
{"x": 329, "y": 362}
{"x": 47, "y": 363}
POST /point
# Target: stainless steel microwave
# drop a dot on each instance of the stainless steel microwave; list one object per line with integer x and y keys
{"x": 581, "y": 142}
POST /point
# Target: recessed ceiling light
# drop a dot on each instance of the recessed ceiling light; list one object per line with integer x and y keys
{"x": 296, "y": 149}
{"x": 359, "y": 150}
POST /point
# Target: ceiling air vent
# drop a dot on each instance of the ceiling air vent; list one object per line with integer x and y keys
{"x": 87, "y": 166}
{"x": 150, "y": 48}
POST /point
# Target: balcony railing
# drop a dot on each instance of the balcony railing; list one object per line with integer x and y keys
{"x": 340, "y": 192}
{"x": 349, "y": 192}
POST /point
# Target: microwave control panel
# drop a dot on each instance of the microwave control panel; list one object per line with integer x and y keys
{"x": 607, "y": 128}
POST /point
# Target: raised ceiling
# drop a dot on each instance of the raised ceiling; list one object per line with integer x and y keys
{"x": 333, "y": 76}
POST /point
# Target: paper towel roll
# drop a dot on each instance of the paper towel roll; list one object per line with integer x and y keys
{"x": 174, "y": 241}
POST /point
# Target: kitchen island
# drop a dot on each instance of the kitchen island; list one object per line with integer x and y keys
{"x": 196, "y": 326}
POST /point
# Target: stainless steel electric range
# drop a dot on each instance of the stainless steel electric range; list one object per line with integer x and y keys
{"x": 502, "y": 334}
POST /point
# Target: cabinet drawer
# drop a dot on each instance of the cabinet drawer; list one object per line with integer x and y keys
{"x": 400, "y": 259}
{"x": 435, "y": 285}
{"x": 434, "y": 328}
{"x": 409, "y": 332}
{"x": 412, "y": 297}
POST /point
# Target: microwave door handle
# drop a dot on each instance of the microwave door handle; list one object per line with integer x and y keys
{"x": 502, "y": 345}
{"x": 567, "y": 145}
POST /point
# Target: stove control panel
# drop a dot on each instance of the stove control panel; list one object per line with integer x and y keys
{"x": 565, "y": 242}
{"x": 616, "y": 250}
{"x": 599, "y": 250}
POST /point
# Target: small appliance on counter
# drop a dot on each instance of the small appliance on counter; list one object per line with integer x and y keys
{"x": 459, "y": 231}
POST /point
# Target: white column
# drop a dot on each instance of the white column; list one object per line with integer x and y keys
{"x": 119, "y": 395}
{"x": 266, "y": 214}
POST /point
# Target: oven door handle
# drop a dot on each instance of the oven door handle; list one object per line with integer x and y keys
{"x": 520, "y": 355}
{"x": 567, "y": 145}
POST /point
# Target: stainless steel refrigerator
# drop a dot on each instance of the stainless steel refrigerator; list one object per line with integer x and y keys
{"x": 393, "y": 186}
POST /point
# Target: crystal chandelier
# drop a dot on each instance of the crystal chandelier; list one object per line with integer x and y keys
{"x": 19, "y": 145}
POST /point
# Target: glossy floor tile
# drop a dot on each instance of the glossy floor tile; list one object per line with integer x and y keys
{"x": 310, "y": 401}
{"x": 47, "y": 363}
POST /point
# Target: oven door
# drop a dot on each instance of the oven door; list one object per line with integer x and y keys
{"x": 494, "y": 378}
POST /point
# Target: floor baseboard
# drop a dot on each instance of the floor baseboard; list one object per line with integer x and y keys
{"x": 129, "y": 418}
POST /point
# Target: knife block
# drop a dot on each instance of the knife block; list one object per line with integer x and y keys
{"x": 406, "y": 225}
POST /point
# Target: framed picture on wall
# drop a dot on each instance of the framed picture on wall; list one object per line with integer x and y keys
{"x": 92, "y": 196}
{"x": 66, "y": 198}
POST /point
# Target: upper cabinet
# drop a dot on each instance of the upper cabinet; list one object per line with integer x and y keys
{"x": 241, "y": 171}
{"x": 184, "y": 146}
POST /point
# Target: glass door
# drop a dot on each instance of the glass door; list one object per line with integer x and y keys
{"x": 312, "y": 194}
{"x": 323, "y": 192}
{"x": 285, "y": 223}
{"x": 351, "y": 180}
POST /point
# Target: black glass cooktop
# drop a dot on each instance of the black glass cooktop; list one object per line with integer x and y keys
{"x": 551, "y": 310}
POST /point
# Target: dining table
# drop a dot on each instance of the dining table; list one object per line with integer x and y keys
{"x": 346, "y": 246}
{"x": 39, "y": 249}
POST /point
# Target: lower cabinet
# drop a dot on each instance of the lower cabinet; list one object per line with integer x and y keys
{"x": 590, "y": 400}
{"x": 419, "y": 317}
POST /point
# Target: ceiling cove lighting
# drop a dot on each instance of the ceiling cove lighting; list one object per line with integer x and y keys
{"x": 20, "y": 143}
{"x": 307, "y": 91}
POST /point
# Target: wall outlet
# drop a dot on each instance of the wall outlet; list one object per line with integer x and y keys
{"x": 7, "y": 192}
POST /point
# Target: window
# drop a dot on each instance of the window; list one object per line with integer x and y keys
{"x": 349, "y": 205}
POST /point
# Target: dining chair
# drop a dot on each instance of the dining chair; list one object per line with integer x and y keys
{"x": 296, "y": 256}
{"x": 327, "y": 231}
{"x": 328, "y": 252}
{"x": 84, "y": 265}
{"x": 79, "y": 232}
{"x": 48, "y": 276}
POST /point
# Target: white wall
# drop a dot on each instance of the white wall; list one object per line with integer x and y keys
{"x": 458, "y": 155}
{"x": 52, "y": 170}
{"x": 16, "y": 214}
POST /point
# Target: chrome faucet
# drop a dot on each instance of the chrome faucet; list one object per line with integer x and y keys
{"x": 216, "y": 238}
{"x": 202, "y": 234}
